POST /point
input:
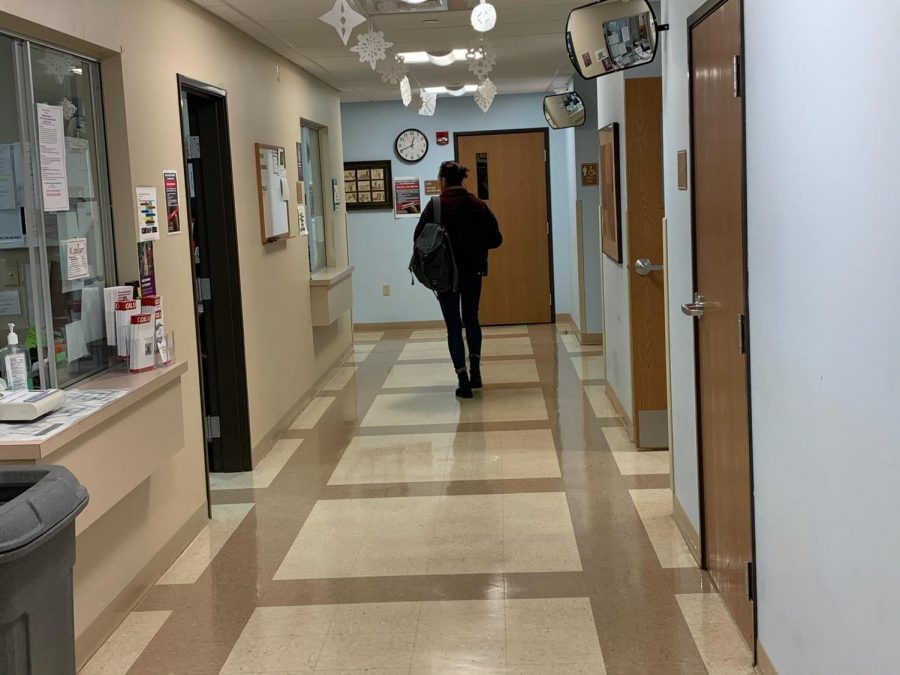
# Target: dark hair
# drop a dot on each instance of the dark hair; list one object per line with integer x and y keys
{"x": 453, "y": 173}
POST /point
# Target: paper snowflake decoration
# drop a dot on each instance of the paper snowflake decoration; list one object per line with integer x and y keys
{"x": 406, "y": 91}
{"x": 371, "y": 47}
{"x": 484, "y": 97}
{"x": 429, "y": 103}
{"x": 59, "y": 65}
{"x": 482, "y": 59}
{"x": 393, "y": 70}
{"x": 343, "y": 18}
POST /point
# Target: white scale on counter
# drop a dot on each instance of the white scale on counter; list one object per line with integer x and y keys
{"x": 25, "y": 406}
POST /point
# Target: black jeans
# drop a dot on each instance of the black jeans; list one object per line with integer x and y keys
{"x": 461, "y": 309}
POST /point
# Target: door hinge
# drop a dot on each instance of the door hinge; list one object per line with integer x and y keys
{"x": 545, "y": 155}
{"x": 736, "y": 68}
{"x": 742, "y": 334}
{"x": 551, "y": 298}
{"x": 213, "y": 428}
{"x": 750, "y": 580}
{"x": 203, "y": 289}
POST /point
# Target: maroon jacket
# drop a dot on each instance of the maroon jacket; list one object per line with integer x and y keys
{"x": 471, "y": 226}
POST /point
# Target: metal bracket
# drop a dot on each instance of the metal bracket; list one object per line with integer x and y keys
{"x": 660, "y": 27}
{"x": 213, "y": 428}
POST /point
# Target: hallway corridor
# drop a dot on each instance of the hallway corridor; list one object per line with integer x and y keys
{"x": 394, "y": 529}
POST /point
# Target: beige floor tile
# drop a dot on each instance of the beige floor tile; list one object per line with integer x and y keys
{"x": 206, "y": 546}
{"x": 126, "y": 644}
{"x": 437, "y": 349}
{"x": 717, "y": 637}
{"x": 430, "y": 334}
{"x": 500, "y": 405}
{"x": 654, "y": 506}
{"x": 573, "y": 615}
{"x": 442, "y": 375}
{"x": 553, "y": 648}
{"x": 567, "y": 669}
{"x": 275, "y": 654}
{"x": 310, "y": 417}
{"x": 361, "y": 352}
{"x": 642, "y": 462}
{"x": 600, "y": 402}
{"x": 368, "y": 336}
{"x": 414, "y": 458}
{"x": 265, "y": 472}
{"x": 504, "y": 330}
{"x": 463, "y": 617}
{"x": 377, "y": 617}
{"x": 573, "y": 346}
{"x": 361, "y": 650}
{"x": 286, "y": 621}
{"x": 617, "y": 439}
{"x": 460, "y": 653}
{"x": 340, "y": 379}
{"x": 590, "y": 367}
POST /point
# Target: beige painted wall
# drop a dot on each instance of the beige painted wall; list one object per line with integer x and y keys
{"x": 143, "y": 45}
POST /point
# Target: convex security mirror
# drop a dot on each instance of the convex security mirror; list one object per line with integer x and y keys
{"x": 565, "y": 110}
{"x": 611, "y": 35}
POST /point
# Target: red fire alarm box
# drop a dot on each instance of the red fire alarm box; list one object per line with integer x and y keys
{"x": 443, "y": 138}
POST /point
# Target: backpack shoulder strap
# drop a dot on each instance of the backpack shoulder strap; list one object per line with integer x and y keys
{"x": 436, "y": 206}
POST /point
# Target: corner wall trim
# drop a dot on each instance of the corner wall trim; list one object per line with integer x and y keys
{"x": 690, "y": 535}
{"x": 95, "y": 635}
{"x": 620, "y": 409}
{"x": 764, "y": 665}
{"x": 586, "y": 339}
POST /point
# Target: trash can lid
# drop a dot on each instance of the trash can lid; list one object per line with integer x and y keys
{"x": 35, "y": 501}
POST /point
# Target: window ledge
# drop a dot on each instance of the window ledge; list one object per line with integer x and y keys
{"x": 330, "y": 276}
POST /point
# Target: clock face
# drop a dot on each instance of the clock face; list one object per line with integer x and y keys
{"x": 411, "y": 145}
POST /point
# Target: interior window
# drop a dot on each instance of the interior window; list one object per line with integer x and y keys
{"x": 314, "y": 196}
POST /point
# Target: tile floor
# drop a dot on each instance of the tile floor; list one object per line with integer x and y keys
{"x": 394, "y": 529}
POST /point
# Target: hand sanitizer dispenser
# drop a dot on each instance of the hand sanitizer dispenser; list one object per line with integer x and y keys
{"x": 14, "y": 362}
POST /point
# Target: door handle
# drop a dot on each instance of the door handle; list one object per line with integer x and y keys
{"x": 696, "y": 308}
{"x": 644, "y": 267}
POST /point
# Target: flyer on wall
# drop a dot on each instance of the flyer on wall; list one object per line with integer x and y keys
{"x": 173, "y": 217}
{"x": 148, "y": 214}
{"x": 407, "y": 198}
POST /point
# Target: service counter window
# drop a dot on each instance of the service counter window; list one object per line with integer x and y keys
{"x": 56, "y": 248}
{"x": 314, "y": 195}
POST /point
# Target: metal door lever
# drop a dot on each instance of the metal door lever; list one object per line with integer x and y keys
{"x": 644, "y": 267}
{"x": 694, "y": 309}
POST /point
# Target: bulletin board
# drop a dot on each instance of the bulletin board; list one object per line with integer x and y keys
{"x": 274, "y": 193}
{"x": 368, "y": 186}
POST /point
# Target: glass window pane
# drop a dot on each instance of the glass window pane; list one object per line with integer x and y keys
{"x": 314, "y": 198}
{"x": 72, "y": 85}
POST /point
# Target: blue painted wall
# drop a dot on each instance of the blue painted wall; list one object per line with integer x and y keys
{"x": 380, "y": 246}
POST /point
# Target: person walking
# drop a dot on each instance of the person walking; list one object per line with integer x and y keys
{"x": 473, "y": 230}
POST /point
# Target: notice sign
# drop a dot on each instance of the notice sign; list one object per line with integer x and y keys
{"x": 173, "y": 217}
{"x": 76, "y": 259}
{"x": 148, "y": 214}
{"x": 407, "y": 198}
{"x": 590, "y": 175}
{"x": 51, "y": 137}
{"x": 432, "y": 187}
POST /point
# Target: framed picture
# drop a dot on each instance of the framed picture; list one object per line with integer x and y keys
{"x": 365, "y": 183}
{"x": 611, "y": 199}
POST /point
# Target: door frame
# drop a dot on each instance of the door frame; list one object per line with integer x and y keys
{"x": 693, "y": 21}
{"x": 546, "y": 133}
{"x": 233, "y": 281}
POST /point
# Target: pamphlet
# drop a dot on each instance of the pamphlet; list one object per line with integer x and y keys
{"x": 142, "y": 355}
{"x": 111, "y": 296}
{"x": 125, "y": 309}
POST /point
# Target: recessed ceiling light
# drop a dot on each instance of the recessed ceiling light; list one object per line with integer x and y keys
{"x": 461, "y": 91}
{"x": 425, "y": 57}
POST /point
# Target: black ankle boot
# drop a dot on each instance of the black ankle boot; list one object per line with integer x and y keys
{"x": 475, "y": 372}
{"x": 465, "y": 387}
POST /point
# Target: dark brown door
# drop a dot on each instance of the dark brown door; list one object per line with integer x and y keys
{"x": 643, "y": 148}
{"x": 720, "y": 257}
{"x": 509, "y": 172}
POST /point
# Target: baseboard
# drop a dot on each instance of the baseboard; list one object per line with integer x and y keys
{"x": 764, "y": 665}
{"x": 267, "y": 443}
{"x": 396, "y": 326}
{"x": 690, "y": 535}
{"x": 94, "y": 636}
{"x": 620, "y": 411}
{"x": 565, "y": 321}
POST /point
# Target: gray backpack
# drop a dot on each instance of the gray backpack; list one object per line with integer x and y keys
{"x": 432, "y": 260}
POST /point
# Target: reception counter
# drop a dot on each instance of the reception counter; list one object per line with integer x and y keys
{"x": 121, "y": 441}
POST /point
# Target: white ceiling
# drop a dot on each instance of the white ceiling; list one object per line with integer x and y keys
{"x": 529, "y": 39}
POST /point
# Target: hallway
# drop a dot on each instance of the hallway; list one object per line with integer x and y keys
{"x": 393, "y": 529}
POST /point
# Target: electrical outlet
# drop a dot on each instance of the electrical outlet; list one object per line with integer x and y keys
{"x": 386, "y": 290}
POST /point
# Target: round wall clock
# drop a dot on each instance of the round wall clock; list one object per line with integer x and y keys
{"x": 411, "y": 145}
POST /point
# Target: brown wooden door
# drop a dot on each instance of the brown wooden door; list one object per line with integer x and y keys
{"x": 643, "y": 148}
{"x": 718, "y": 161}
{"x": 509, "y": 171}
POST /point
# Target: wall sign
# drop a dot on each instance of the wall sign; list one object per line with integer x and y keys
{"x": 173, "y": 217}
{"x": 432, "y": 187}
{"x": 442, "y": 138}
{"x": 590, "y": 174}
{"x": 407, "y": 197}
{"x": 147, "y": 214}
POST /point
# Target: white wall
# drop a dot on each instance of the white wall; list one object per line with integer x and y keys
{"x": 616, "y": 312}
{"x": 823, "y": 139}
{"x": 380, "y": 246}
{"x": 679, "y": 261}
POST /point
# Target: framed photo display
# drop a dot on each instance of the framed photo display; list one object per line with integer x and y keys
{"x": 368, "y": 186}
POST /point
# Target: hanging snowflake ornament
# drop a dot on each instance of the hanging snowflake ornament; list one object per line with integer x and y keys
{"x": 485, "y": 95}
{"x": 393, "y": 70}
{"x": 482, "y": 59}
{"x": 429, "y": 103}
{"x": 343, "y": 18}
{"x": 406, "y": 91}
{"x": 371, "y": 47}
{"x": 59, "y": 66}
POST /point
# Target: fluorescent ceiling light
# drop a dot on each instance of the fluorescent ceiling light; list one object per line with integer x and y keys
{"x": 425, "y": 57}
{"x": 465, "y": 89}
